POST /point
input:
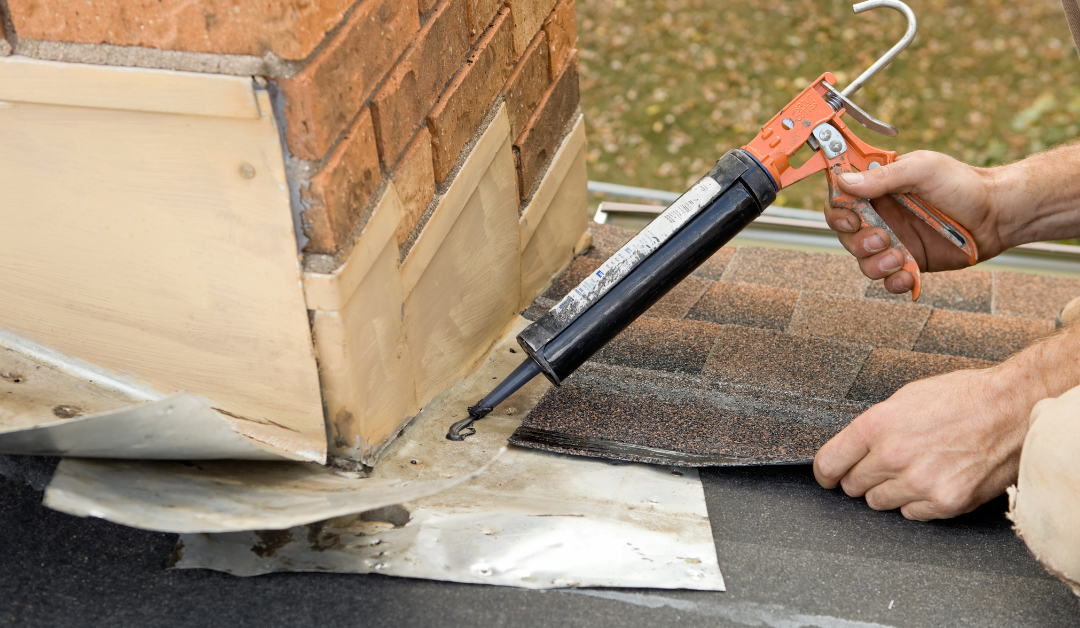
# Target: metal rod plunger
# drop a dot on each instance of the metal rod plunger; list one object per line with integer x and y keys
{"x": 557, "y": 348}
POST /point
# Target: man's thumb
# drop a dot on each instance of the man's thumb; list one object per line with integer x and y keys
{"x": 896, "y": 177}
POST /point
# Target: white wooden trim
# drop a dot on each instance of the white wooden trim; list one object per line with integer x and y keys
{"x": 130, "y": 89}
{"x": 330, "y": 292}
{"x": 560, "y": 165}
{"x": 451, "y": 204}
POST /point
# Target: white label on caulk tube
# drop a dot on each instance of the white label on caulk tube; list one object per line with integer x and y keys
{"x": 638, "y": 248}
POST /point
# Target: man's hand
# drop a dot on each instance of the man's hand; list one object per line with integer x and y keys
{"x": 1031, "y": 200}
{"x": 938, "y": 448}
{"x": 942, "y": 446}
{"x": 961, "y": 191}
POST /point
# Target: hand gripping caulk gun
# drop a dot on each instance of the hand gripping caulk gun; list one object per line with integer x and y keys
{"x": 716, "y": 208}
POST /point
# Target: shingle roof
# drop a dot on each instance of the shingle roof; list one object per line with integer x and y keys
{"x": 762, "y": 355}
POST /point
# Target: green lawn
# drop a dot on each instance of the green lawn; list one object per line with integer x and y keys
{"x": 667, "y": 86}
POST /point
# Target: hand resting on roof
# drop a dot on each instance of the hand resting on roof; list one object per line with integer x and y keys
{"x": 942, "y": 446}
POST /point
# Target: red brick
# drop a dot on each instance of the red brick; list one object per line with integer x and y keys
{"x": 336, "y": 197}
{"x": 528, "y": 16}
{"x": 412, "y": 87}
{"x": 527, "y": 84}
{"x": 321, "y": 100}
{"x": 538, "y": 142}
{"x": 481, "y": 14}
{"x": 291, "y": 29}
{"x": 414, "y": 181}
{"x": 561, "y": 29}
{"x": 465, "y": 102}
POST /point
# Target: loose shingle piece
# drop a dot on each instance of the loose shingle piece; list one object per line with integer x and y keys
{"x": 772, "y": 360}
{"x": 680, "y": 420}
{"x": 762, "y": 355}
{"x": 888, "y": 370}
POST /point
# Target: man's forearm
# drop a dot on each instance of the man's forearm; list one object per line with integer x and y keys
{"x": 1046, "y": 369}
{"x": 1037, "y": 198}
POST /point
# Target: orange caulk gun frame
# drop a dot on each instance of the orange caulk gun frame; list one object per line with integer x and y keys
{"x": 813, "y": 118}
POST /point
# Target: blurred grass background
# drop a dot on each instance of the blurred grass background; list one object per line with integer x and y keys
{"x": 668, "y": 86}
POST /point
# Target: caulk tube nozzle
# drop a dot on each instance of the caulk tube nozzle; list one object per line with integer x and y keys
{"x": 522, "y": 375}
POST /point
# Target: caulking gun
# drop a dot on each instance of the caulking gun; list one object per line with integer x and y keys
{"x": 715, "y": 209}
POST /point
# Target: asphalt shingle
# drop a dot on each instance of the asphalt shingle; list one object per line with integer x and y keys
{"x": 1032, "y": 296}
{"x": 661, "y": 345}
{"x": 863, "y": 321}
{"x": 677, "y": 303}
{"x": 774, "y": 357}
{"x": 966, "y": 290}
{"x": 772, "y": 360}
{"x": 980, "y": 336}
{"x": 797, "y": 270}
{"x": 888, "y": 370}
{"x": 746, "y": 304}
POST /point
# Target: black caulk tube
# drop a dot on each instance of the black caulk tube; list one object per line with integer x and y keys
{"x": 672, "y": 246}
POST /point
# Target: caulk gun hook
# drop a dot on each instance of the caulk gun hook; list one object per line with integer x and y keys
{"x": 895, "y": 50}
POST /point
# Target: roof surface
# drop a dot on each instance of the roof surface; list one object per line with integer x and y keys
{"x": 762, "y": 355}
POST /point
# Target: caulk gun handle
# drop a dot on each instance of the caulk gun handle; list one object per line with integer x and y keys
{"x": 947, "y": 227}
{"x": 869, "y": 218}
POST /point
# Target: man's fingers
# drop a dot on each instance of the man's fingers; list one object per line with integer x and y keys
{"x": 923, "y": 510}
{"x": 869, "y": 473}
{"x": 900, "y": 282}
{"x": 838, "y": 456}
{"x": 842, "y": 220}
{"x": 883, "y": 264}
{"x": 889, "y": 495}
{"x": 865, "y": 242}
{"x": 899, "y": 176}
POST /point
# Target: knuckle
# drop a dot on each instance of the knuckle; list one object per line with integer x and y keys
{"x": 869, "y": 267}
{"x": 824, "y": 467}
{"x": 868, "y": 425}
{"x": 875, "y": 500}
{"x": 895, "y": 455}
{"x": 850, "y": 486}
{"x": 914, "y": 513}
{"x": 951, "y": 501}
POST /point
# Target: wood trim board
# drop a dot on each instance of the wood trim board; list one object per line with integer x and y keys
{"x": 134, "y": 241}
{"x": 331, "y": 291}
{"x": 130, "y": 89}
{"x": 453, "y": 202}
{"x": 549, "y": 186}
